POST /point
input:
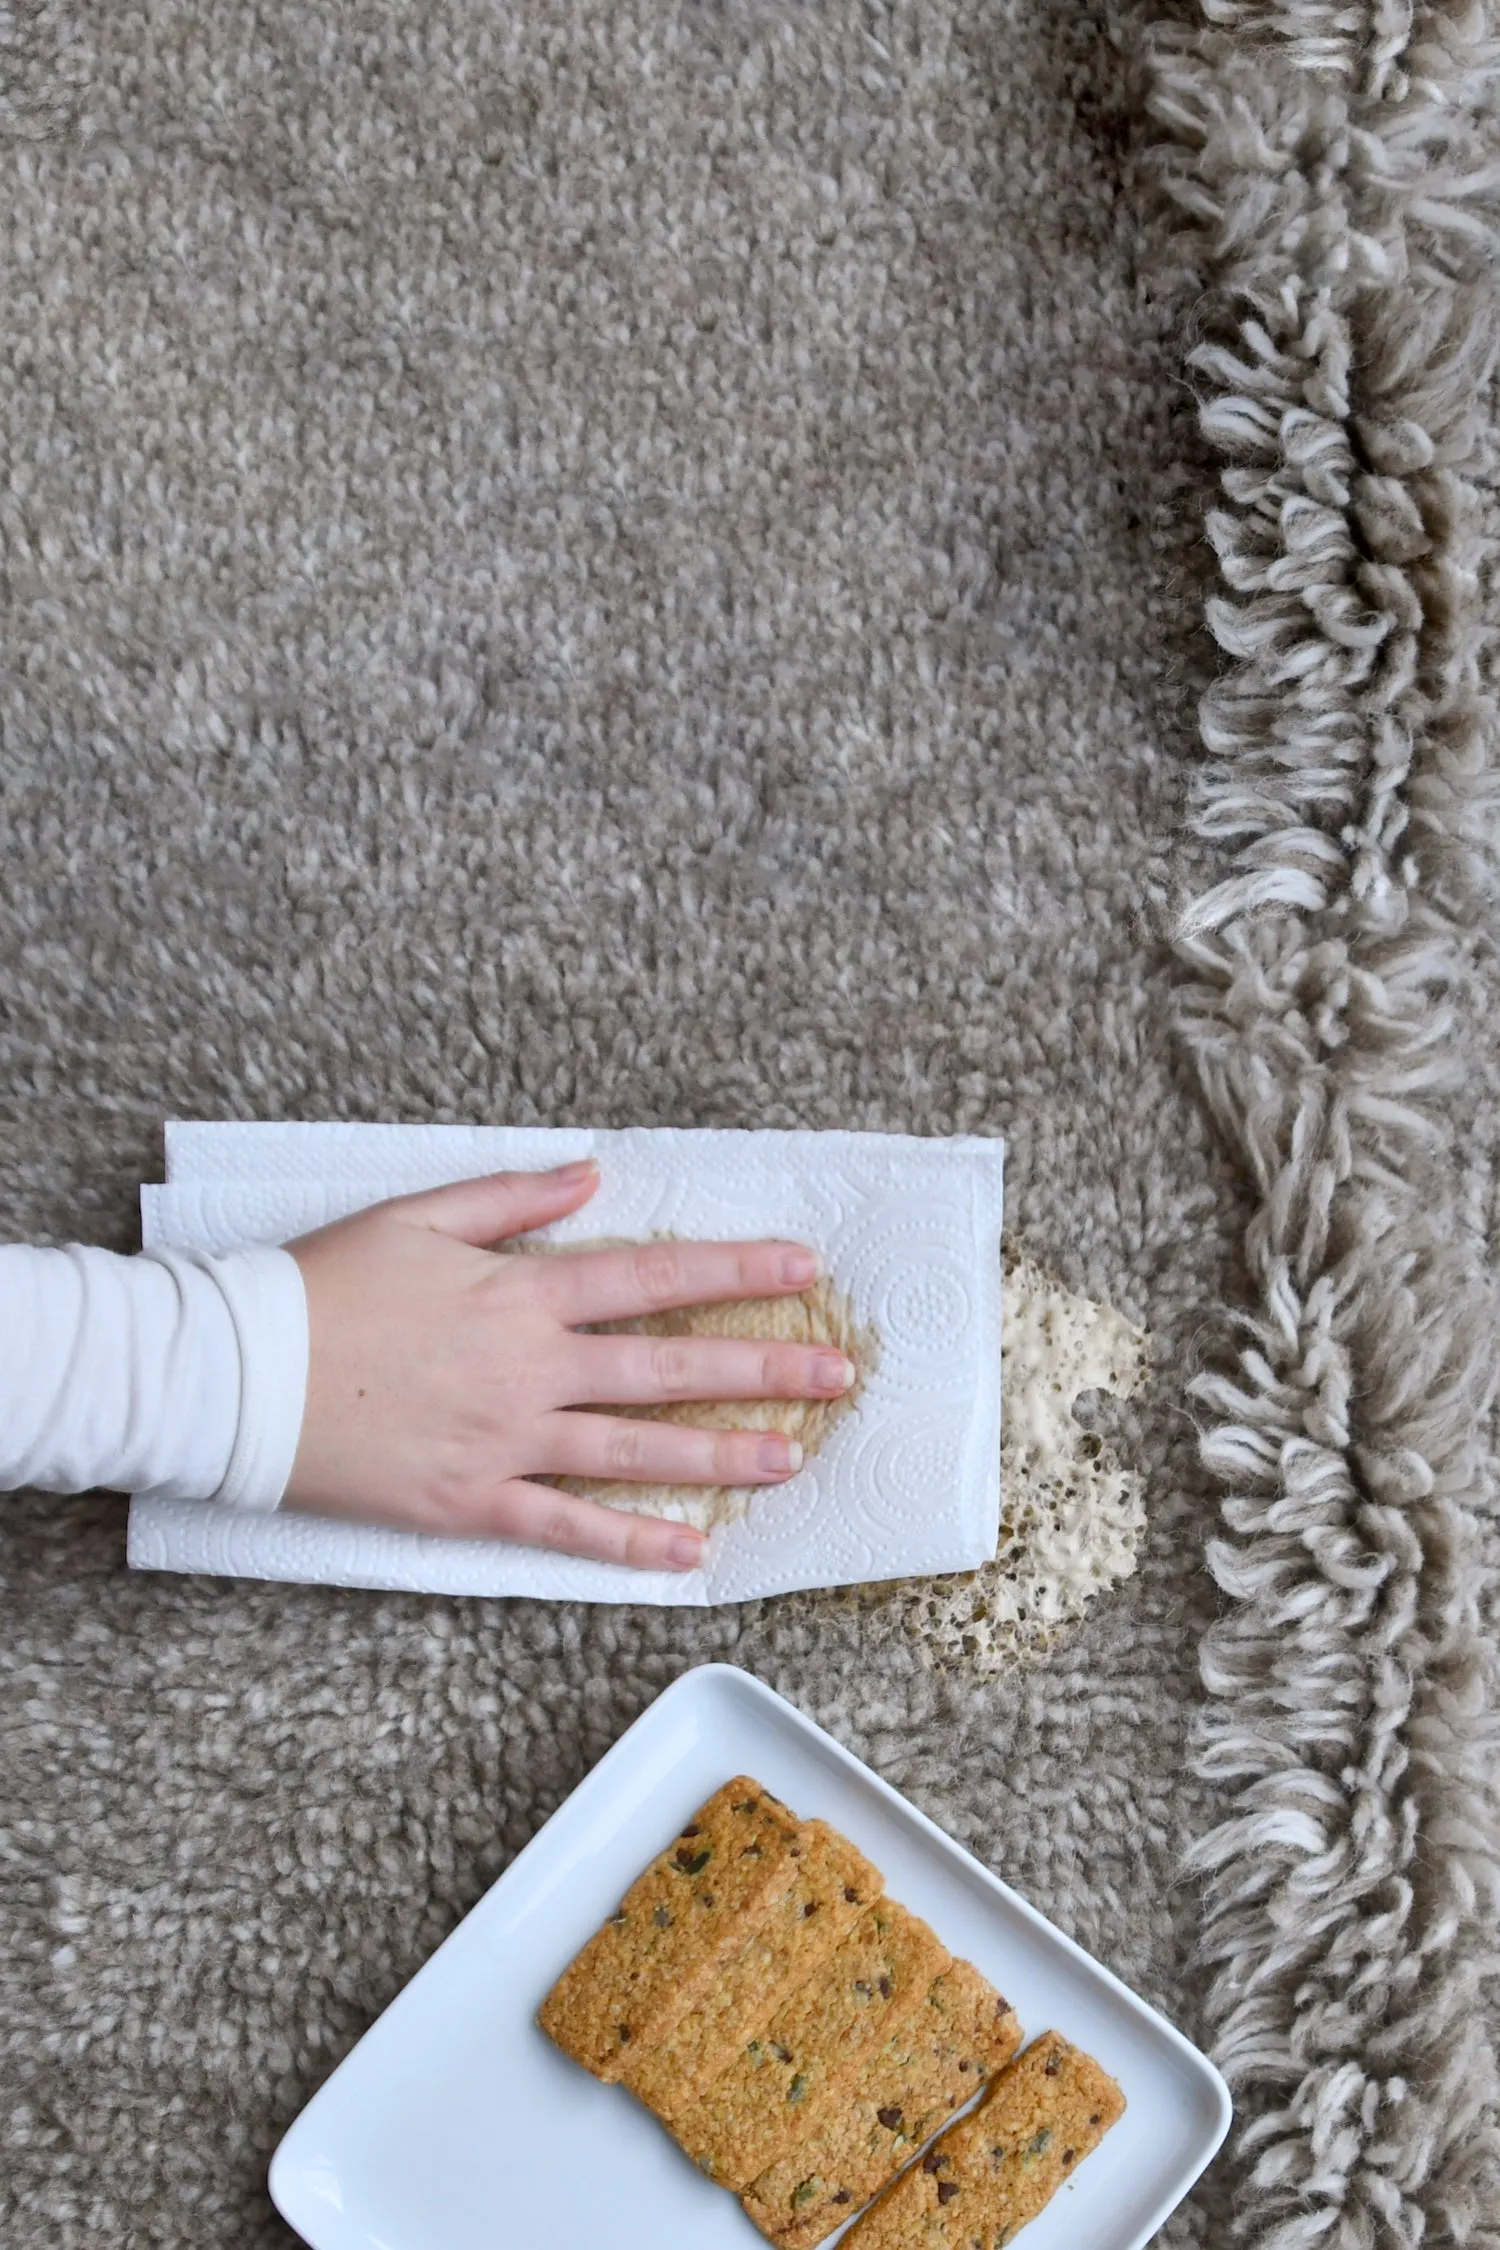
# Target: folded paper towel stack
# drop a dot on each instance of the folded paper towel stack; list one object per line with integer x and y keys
{"x": 907, "y": 1485}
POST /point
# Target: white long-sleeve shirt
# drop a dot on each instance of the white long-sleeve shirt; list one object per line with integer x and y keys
{"x": 178, "y": 1375}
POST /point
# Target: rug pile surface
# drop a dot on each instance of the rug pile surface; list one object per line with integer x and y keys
{"x": 657, "y": 563}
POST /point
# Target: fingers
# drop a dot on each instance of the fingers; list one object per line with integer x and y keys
{"x": 539, "y": 1517}
{"x": 608, "y": 1447}
{"x": 593, "y": 1285}
{"x": 649, "y": 1370}
{"x": 502, "y": 1204}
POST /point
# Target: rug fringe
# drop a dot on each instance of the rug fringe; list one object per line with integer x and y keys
{"x": 1336, "y": 173}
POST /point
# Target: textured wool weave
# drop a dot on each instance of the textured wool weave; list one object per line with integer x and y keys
{"x": 1341, "y": 171}
{"x": 641, "y": 563}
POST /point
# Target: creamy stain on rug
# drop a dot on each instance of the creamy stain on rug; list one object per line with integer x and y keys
{"x": 1072, "y": 1515}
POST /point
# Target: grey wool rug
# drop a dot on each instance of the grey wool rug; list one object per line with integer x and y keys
{"x": 907, "y": 564}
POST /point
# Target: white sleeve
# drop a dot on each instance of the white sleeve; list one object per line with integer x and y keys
{"x": 168, "y": 1373}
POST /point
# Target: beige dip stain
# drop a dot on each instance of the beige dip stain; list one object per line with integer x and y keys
{"x": 1072, "y": 1514}
{"x": 820, "y": 1315}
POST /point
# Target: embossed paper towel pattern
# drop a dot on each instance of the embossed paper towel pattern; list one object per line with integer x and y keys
{"x": 907, "y": 1486}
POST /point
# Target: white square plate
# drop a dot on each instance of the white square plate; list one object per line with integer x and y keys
{"x": 456, "y": 2125}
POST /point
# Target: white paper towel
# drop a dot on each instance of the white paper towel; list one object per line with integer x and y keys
{"x": 907, "y": 1485}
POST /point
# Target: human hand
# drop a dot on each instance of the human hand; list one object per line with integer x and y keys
{"x": 442, "y": 1378}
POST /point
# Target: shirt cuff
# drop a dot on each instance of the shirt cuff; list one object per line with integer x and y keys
{"x": 268, "y": 1305}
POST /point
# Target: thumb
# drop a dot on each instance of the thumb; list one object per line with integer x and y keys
{"x": 502, "y": 1204}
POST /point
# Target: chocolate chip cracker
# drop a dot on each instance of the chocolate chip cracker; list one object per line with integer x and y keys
{"x": 937, "y": 2062}
{"x": 690, "y": 1913}
{"x": 816, "y": 2040}
{"x": 998, "y": 2167}
{"x": 833, "y": 1888}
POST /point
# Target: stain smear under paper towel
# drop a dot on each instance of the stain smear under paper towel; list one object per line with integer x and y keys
{"x": 820, "y": 1315}
{"x": 1071, "y": 1513}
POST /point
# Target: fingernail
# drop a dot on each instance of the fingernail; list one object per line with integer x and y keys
{"x": 684, "y": 1550}
{"x": 778, "y": 1456}
{"x": 833, "y": 1372}
{"x": 566, "y": 1174}
{"x": 799, "y": 1267}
